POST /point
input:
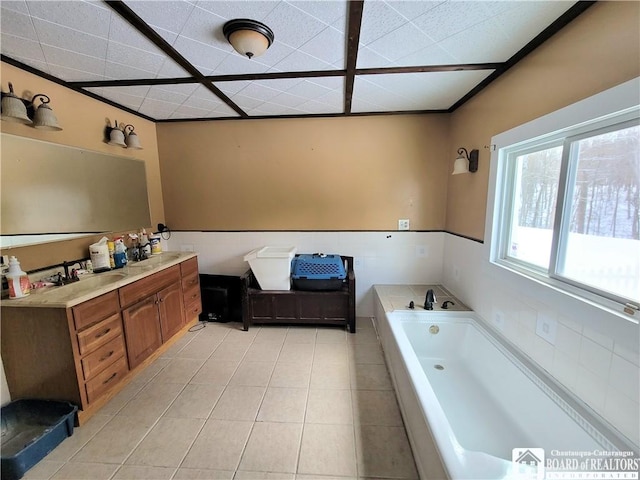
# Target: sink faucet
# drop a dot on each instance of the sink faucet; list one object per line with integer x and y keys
{"x": 72, "y": 276}
{"x": 429, "y": 300}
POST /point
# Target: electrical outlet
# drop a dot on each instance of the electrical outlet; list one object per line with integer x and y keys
{"x": 546, "y": 328}
{"x": 186, "y": 248}
{"x": 498, "y": 319}
{"x": 403, "y": 224}
{"x": 421, "y": 251}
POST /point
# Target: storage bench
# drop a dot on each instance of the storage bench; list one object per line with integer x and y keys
{"x": 299, "y": 307}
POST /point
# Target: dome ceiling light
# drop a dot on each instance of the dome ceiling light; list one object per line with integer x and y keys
{"x": 248, "y": 37}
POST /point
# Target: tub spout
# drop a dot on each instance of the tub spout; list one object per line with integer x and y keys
{"x": 429, "y": 300}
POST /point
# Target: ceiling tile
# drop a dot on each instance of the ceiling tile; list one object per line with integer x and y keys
{"x": 115, "y": 70}
{"x": 432, "y": 55}
{"x": 131, "y": 97}
{"x": 330, "y": 12}
{"x": 168, "y": 15}
{"x": 367, "y": 58}
{"x": 17, "y": 24}
{"x": 19, "y": 6}
{"x": 257, "y": 10}
{"x": 292, "y": 26}
{"x": 77, "y": 61}
{"x": 159, "y": 92}
{"x": 484, "y": 42}
{"x": 450, "y": 18}
{"x": 378, "y": 19}
{"x": 205, "y": 27}
{"x": 204, "y": 57}
{"x": 184, "y": 111}
{"x": 414, "y": 91}
{"x": 70, "y": 39}
{"x": 412, "y": 9}
{"x": 86, "y": 17}
{"x": 299, "y": 61}
{"x": 69, "y": 74}
{"x": 328, "y": 45}
{"x": 171, "y": 69}
{"x": 121, "y": 31}
{"x": 141, "y": 59}
{"x": 17, "y": 47}
{"x": 157, "y": 108}
{"x": 236, "y": 64}
{"x": 525, "y": 20}
{"x": 401, "y": 42}
{"x": 246, "y": 103}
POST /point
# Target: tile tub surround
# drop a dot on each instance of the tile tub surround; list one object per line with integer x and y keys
{"x": 273, "y": 402}
{"x": 595, "y": 355}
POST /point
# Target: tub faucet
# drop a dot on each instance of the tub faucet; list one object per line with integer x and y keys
{"x": 429, "y": 300}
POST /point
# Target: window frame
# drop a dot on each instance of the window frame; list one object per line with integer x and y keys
{"x": 504, "y": 203}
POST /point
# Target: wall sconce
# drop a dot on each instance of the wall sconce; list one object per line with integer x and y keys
{"x": 15, "y": 109}
{"x": 249, "y": 38}
{"x": 123, "y": 137}
{"x": 131, "y": 138}
{"x": 466, "y": 162}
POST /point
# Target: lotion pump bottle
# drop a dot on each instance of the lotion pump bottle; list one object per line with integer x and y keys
{"x": 19, "y": 285}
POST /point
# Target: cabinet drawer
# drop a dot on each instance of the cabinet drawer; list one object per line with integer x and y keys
{"x": 95, "y": 310}
{"x": 190, "y": 282}
{"x": 104, "y": 356}
{"x": 147, "y": 286}
{"x": 189, "y": 266}
{"x": 193, "y": 309}
{"x": 106, "y": 379}
{"x": 99, "y": 334}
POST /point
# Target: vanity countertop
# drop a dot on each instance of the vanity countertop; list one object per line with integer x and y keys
{"x": 95, "y": 284}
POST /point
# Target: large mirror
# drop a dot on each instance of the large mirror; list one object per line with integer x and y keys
{"x": 51, "y": 192}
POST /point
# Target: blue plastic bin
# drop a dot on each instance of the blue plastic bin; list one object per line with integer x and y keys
{"x": 318, "y": 271}
{"x": 30, "y": 430}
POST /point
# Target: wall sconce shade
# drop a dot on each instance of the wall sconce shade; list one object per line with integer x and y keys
{"x": 13, "y": 108}
{"x": 466, "y": 162}
{"x": 249, "y": 38}
{"x": 116, "y": 137}
{"x": 131, "y": 138}
{"x": 44, "y": 118}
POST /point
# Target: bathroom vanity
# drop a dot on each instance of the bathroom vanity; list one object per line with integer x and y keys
{"x": 83, "y": 342}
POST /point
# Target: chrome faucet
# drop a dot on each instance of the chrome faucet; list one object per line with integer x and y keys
{"x": 429, "y": 300}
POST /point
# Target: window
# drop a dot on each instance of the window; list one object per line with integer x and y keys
{"x": 570, "y": 209}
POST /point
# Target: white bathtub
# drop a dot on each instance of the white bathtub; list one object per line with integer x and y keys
{"x": 468, "y": 400}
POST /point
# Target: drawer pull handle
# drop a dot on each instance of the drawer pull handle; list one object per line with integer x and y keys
{"x": 102, "y": 334}
{"x": 195, "y": 295}
{"x": 193, "y": 282}
{"x": 107, "y": 356}
{"x": 114, "y": 375}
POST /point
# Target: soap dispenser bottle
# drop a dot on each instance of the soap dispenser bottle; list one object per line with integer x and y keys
{"x": 19, "y": 285}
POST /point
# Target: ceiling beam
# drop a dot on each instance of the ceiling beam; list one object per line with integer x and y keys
{"x": 140, "y": 25}
{"x": 353, "y": 40}
{"x": 561, "y": 22}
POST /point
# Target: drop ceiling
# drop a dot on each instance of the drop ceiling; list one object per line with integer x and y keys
{"x": 169, "y": 61}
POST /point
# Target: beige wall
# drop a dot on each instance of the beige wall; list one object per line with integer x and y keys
{"x": 83, "y": 120}
{"x": 356, "y": 173}
{"x": 598, "y": 50}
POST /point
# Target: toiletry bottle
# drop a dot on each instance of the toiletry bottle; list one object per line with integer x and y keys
{"x": 144, "y": 243}
{"x": 120, "y": 254}
{"x": 112, "y": 250}
{"x": 19, "y": 285}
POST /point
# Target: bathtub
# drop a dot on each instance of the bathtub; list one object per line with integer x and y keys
{"x": 467, "y": 399}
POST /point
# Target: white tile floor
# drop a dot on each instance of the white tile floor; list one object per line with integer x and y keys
{"x": 273, "y": 402}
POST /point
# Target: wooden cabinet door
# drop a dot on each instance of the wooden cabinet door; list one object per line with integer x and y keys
{"x": 142, "y": 330}
{"x": 171, "y": 309}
